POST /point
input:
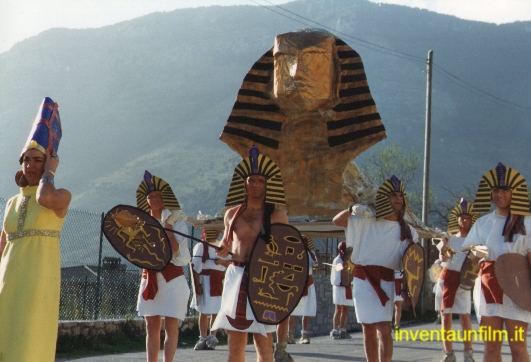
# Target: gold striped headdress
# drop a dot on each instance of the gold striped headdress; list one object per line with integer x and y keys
{"x": 383, "y": 205}
{"x": 256, "y": 164}
{"x": 503, "y": 177}
{"x": 152, "y": 183}
{"x": 207, "y": 234}
{"x": 463, "y": 208}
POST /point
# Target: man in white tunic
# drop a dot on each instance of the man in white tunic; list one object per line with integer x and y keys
{"x": 449, "y": 297}
{"x": 378, "y": 246}
{"x": 341, "y": 292}
{"x": 503, "y": 231}
{"x": 208, "y": 271}
{"x": 165, "y": 293}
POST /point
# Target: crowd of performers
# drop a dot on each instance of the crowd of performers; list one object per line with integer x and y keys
{"x": 371, "y": 256}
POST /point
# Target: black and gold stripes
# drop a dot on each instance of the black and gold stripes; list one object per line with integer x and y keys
{"x": 502, "y": 176}
{"x": 267, "y": 168}
{"x": 168, "y": 197}
{"x": 355, "y": 116}
{"x": 255, "y": 116}
{"x": 383, "y": 205}
{"x": 463, "y": 208}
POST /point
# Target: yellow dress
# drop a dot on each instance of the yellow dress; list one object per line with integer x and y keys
{"x": 30, "y": 280}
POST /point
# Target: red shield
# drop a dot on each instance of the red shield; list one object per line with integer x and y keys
{"x": 278, "y": 272}
{"x": 133, "y": 234}
{"x": 413, "y": 261}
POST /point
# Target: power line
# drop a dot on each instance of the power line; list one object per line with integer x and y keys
{"x": 392, "y": 52}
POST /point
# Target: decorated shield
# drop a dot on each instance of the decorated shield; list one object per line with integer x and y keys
{"x": 138, "y": 237}
{"x": 278, "y": 273}
{"x": 469, "y": 273}
{"x": 413, "y": 261}
{"x": 512, "y": 272}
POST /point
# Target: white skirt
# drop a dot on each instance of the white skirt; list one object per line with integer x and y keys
{"x": 205, "y": 303}
{"x": 507, "y": 310}
{"x": 171, "y": 299}
{"x": 339, "y": 296}
{"x": 229, "y": 300}
{"x": 462, "y": 301}
{"x": 307, "y": 305}
{"x": 368, "y": 306}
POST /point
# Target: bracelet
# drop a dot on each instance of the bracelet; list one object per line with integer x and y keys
{"x": 50, "y": 171}
{"x": 350, "y": 208}
{"x": 47, "y": 179}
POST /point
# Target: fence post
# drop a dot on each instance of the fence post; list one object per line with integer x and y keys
{"x": 98, "y": 280}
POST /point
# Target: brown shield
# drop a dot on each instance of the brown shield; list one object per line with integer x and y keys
{"x": 469, "y": 273}
{"x": 133, "y": 234}
{"x": 413, "y": 261}
{"x": 278, "y": 272}
{"x": 512, "y": 272}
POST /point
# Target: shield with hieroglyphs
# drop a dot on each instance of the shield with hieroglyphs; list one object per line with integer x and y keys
{"x": 278, "y": 273}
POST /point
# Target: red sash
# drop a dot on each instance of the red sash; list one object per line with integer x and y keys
{"x": 375, "y": 274}
{"x": 308, "y": 283}
{"x": 170, "y": 272}
{"x": 489, "y": 284}
{"x": 452, "y": 279}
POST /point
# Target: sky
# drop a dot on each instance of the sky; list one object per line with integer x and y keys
{"x": 21, "y": 19}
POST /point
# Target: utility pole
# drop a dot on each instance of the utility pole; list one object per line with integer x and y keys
{"x": 426, "y": 183}
{"x": 427, "y": 135}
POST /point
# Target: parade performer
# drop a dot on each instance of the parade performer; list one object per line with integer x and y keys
{"x": 449, "y": 297}
{"x": 504, "y": 231}
{"x": 341, "y": 293}
{"x": 307, "y": 306}
{"x": 255, "y": 188}
{"x": 30, "y": 274}
{"x": 163, "y": 294}
{"x": 378, "y": 246}
{"x": 208, "y": 271}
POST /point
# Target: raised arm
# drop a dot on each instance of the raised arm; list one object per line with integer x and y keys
{"x": 341, "y": 219}
{"x": 47, "y": 195}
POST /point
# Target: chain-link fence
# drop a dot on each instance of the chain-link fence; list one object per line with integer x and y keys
{"x": 98, "y": 283}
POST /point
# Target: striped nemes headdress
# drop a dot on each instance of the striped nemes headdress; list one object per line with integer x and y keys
{"x": 207, "y": 234}
{"x": 152, "y": 183}
{"x": 383, "y": 205}
{"x": 463, "y": 208}
{"x": 46, "y": 131}
{"x": 503, "y": 177}
{"x": 256, "y": 164}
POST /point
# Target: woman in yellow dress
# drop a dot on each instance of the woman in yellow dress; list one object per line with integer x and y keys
{"x": 30, "y": 275}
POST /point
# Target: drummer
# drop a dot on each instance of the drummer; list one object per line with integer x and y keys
{"x": 449, "y": 297}
{"x": 503, "y": 231}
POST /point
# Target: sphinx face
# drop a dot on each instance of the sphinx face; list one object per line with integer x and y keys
{"x": 304, "y": 73}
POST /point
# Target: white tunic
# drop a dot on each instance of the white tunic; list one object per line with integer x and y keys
{"x": 307, "y": 305}
{"x": 488, "y": 231}
{"x": 172, "y": 297}
{"x": 229, "y": 300}
{"x": 339, "y": 292}
{"x": 375, "y": 243}
{"x": 206, "y": 303}
{"x": 462, "y": 301}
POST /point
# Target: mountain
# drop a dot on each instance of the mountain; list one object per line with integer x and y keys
{"x": 154, "y": 93}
